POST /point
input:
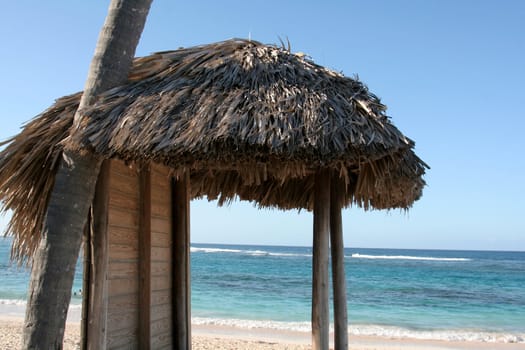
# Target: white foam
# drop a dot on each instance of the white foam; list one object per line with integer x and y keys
{"x": 370, "y": 330}
{"x": 15, "y": 302}
{"x": 447, "y": 335}
{"x": 213, "y": 250}
{"x": 18, "y": 302}
{"x": 405, "y": 257}
{"x": 291, "y": 254}
{"x": 245, "y": 252}
{"x": 253, "y": 324}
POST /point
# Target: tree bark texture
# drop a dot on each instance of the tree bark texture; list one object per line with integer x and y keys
{"x": 55, "y": 259}
{"x": 67, "y": 212}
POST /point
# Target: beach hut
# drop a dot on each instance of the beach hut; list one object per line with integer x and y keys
{"x": 234, "y": 120}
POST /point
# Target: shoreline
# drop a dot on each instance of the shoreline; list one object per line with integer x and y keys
{"x": 300, "y": 331}
{"x": 219, "y": 337}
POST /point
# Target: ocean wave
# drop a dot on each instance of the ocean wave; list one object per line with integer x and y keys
{"x": 253, "y": 324}
{"x": 446, "y": 335}
{"x": 213, "y": 250}
{"x": 15, "y": 302}
{"x": 370, "y": 330}
{"x": 406, "y": 257}
{"x": 23, "y": 303}
{"x": 245, "y": 252}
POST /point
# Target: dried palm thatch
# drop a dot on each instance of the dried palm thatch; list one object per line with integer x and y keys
{"x": 246, "y": 120}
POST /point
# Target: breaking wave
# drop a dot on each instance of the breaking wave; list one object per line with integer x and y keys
{"x": 371, "y": 330}
{"x": 245, "y": 252}
{"x": 406, "y": 257}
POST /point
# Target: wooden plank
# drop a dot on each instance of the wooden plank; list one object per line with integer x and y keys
{"x": 161, "y": 225}
{"x": 125, "y": 185}
{"x": 123, "y": 286}
{"x": 123, "y": 236}
{"x": 160, "y": 209}
{"x": 161, "y": 268}
{"x": 160, "y": 283}
{"x": 122, "y": 320}
{"x": 161, "y": 185}
{"x": 121, "y": 317}
{"x": 157, "y": 168}
{"x": 162, "y": 326}
{"x": 181, "y": 263}
{"x": 160, "y": 312}
{"x": 120, "y": 252}
{"x": 122, "y": 303}
{"x": 124, "y": 201}
{"x": 160, "y": 239}
{"x": 98, "y": 307}
{"x": 161, "y": 254}
{"x": 123, "y": 269}
{"x": 320, "y": 300}
{"x": 338, "y": 266}
{"x": 123, "y": 218}
{"x": 161, "y": 297}
{"x": 160, "y": 176}
{"x": 145, "y": 258}
{"x": 122, "y": 169}
{"x": 86, "y": 279}
{"x": 123, "y": 339}
{"x": 161, "y": 340}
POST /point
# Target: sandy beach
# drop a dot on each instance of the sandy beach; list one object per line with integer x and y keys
{"x": 229, "y": 338}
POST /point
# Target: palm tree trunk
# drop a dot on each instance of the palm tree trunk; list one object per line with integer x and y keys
{"x": 55, "y": 260}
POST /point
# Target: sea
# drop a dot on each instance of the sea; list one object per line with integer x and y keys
{"x": 397, "y": 293}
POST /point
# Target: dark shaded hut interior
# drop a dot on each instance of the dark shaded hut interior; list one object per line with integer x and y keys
{"x": 234, "y": 120}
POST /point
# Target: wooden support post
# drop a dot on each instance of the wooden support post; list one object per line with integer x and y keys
{"x": 98, "y": 293}
{"x": 181, "y": 263}
{"x": 86, "y": 280}
{"x": 145, "y": 257}
{"x": 320, "y": 300}
{"x": 338, "y": 266}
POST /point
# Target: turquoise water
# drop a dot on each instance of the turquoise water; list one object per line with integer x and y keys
{"x": 14, "y": 280}
{"x": 436, "y": 294}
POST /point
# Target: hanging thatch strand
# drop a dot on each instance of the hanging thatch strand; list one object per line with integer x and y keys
{"x": 247, "y": 120}
{"x": 27, "y": 172}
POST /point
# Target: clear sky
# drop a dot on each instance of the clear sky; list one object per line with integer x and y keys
{"x": 451, "y": 72}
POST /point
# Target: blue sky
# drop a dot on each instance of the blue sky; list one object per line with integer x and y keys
{"x": 450, "y": 72}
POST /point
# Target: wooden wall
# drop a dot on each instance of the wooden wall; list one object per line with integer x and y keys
{"x": 161, "y": 259}
{"x": 135, "y": 275}
{"x": 123, "y": 266}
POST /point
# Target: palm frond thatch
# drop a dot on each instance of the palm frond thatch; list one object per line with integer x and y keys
{"x": 246, "y": 120}
{"x": 27, "y": 172}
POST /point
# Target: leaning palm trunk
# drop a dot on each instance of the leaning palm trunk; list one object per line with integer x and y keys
{"x": 54, "y": 262}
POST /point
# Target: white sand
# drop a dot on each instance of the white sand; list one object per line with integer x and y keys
{"x": 222, "y": 337}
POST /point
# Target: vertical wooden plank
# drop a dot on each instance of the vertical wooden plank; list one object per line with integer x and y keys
{"x": 144, "y": 257}
{"x": 98, "y": 294}
{"x": 86, "y": 278}
{"x": 320, "y": 300}
{"x": 181, "y": 263}
{"x": 338, "y": 266}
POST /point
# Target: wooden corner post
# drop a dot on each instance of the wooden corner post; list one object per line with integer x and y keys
{"x": 338, "y": 266}
{"x": 320, "y": 287}
{"x": 144, "y": 256}
{"x": 96, "y": 328}
{"x": 181, "y": 263}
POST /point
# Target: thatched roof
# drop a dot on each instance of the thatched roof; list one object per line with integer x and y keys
{"x": 247, "y": 120}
